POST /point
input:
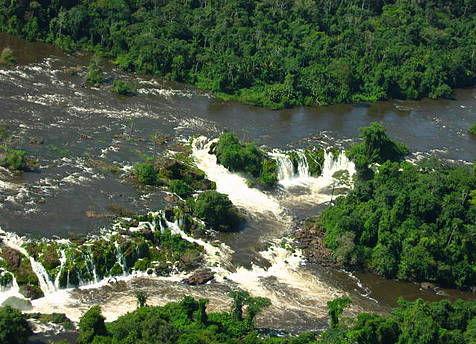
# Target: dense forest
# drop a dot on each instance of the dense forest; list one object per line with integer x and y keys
{"x": 271, "y": 53}
{"x": 188, "y": 321}
{"x": 402, "y": 220}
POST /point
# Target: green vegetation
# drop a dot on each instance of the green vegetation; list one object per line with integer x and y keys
{"x": 408, "y": 221}
{"x": 183, "y": 178}
{"x": 246, "y": 158}
{"x": 91, "y": 325}
{"x": 17, "y": 264}
{"x": 14, "y": 159}
{"x": 416, "y": 322}
{"x": 376, "y": 148}
{"x": 150, "y": 247}
{"x": 179, "y": 174}
{"x": 124, "y": 88}
{"x": 179, "y": 322}
{"x": 14, "y": 328}
{"x": 187, "y": 321}
{"x": 6, "y": 57}
{"x": 335, "y": 309}
{"x": 116, "y": 254}
{"x": 472, "y": 130}
{"x": 275, "y": 54}
{"x": 95, "y": 75}
{"x": 217, "y": 211}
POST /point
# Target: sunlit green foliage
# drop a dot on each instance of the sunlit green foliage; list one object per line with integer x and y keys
{"x": 416, "y": 322}
{"x": 336, "y": 308}
{"x": 145, "y": 173}
{"x": 217, "y": 211}
{"x": 14, "y": 159}
{"x": 246, "y": 158}
{"x": 376, "y": 147}
{"x": 179, "y": 175}
{"x": 271, "y": 53}
{"x": 95, "y": 75}
{"x": 14, "y": 328}
{"x": 91, "y": 325}
{"x": 6, "y": 57}
{"x": 409, "y": 221}
{"x": 472, "y": 130}
{"x": 182, "y": 322}
{"x": 124, "y": 88}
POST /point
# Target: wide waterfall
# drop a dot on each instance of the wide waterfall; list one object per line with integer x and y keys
{"x": 297, "y": 173}
{"x": 288, "y": 174}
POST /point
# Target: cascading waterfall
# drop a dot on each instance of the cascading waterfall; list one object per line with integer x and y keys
{"x": 120, "y": 259}
{"x": 62, "y": 263}
{"x": 46, "y": 285}
{"x": 15, "y": 242}
{"x": 92, "y": 266}
{"x": 288, "y": 174}
{"x": 232, "y": 184}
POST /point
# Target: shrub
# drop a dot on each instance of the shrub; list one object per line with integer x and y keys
{"x": 246, "y": 158}
{"x": 217, "y": 211}
{"x": 124, "y": 88}
{"x": 376, "y": 147}
{"x": 145, "y": 173}
{"x": 6, "y": 57}
{"x": 180, "y": 188}
{"x": 15, "y": 160}
{"x": 14, "y": 328}
{"x": 91, "y": 325}
{"x": 95, "y": 75}
{"x": 472, "y": 130}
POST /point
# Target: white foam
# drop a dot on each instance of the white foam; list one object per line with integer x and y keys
{"x": 232, "y": 184}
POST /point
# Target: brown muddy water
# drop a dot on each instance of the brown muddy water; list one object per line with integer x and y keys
{"x": 86, "y": 140}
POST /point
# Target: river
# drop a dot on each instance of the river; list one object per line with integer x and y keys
{"x": 87, "y": 139}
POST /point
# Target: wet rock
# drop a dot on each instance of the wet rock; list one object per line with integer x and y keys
{"x": 31, "y": 291}
{"x": 199, "y": 277}
{"x": 427, "y": 286}
{"x": 310, "y": 239}
{"x": 12, "y": 257}
{"x": 162, "y": 269}
{"x": 18, "y": 303}
{"x": 37, "y": 140}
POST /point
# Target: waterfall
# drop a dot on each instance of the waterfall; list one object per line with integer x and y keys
{"x": 44, "y": 280}
{"x": 90, "y": 264}
{"x": 288, "y": 174}
{"x": 285, "y": 166}
{"x": 120, "y": 258}
{"x": 334, "y": 164}
{"x": 62, "y": 263}
{"x": 232, "y": 184}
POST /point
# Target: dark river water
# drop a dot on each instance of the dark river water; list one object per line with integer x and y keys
{"x": 86, "y": 139}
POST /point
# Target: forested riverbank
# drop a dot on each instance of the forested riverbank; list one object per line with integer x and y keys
{"x": 273, "y": 54}
{"x": 412, "y": 221}
{"x": 189, "y": 321}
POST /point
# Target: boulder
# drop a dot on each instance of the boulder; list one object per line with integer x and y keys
{"x": 12, "y": 257}
{"x": 18, "y": 303}
{"x": 31, "y": 291}
{"x": 427, "y": 286}
{"x": 199, "y": 277}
